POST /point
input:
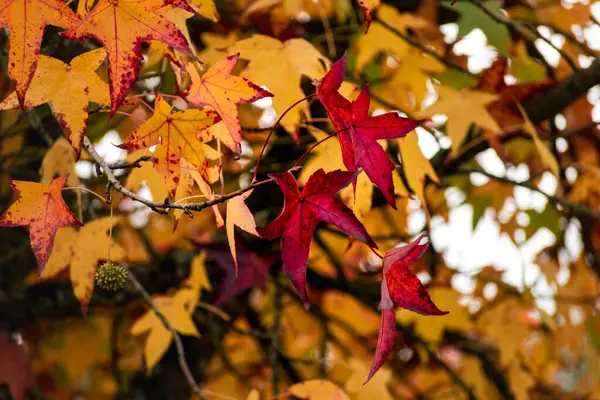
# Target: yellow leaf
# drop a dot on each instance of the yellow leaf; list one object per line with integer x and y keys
{"x": 253, "y": 395}
{"x": 520, "y": 380}
{"x": 380, "y": 39}
{"x": 416, "y": 167}
{"x": 198, "y": 279}
{"x": 26, "y": 20}
{"x": 318, "y": 389}
{"x": 82, "y": 251}
{"x": 432, "y": 328}
{"x": 148, "y": 175}
{"x": 295, "y": 58}
{"x": 543, "y": 151}
{"x": 204, "y": 186}
{"x": 207, "y": 9}
{"x": 475, "y": 377}
{"x": 377, "y": 388}
{"x": 239, "y": 214}
{"x": 159, "y": 338}
{"x": 501, "y": 324}
{"x": 176, "y": 136}
{"x": 463, "y": 108}
{"x": 69, "y": 88}
{"x": 216, "y": 46}
{"x": 407, "y": 87}
{"x": 59, "y": 160}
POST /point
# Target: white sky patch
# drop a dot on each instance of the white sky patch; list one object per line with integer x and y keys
{"x": 84, "y": 169}
{"x": 491, "y": 163}
{"x": 427, "y": 143}
{"x": 138, "y": 216}
{"x": 474, "y": 45}
{"x": 107, "y": 147}
{"x": 550, "y": 54}
{"x": 450, "y": 32}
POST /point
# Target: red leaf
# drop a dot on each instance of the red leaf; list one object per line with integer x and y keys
{"x": 400, "y": 286}
{"x": 15, "y": 369}
{"x": 43, "y": 209}
{"x": 504, "y": 110}
{"x": 253, "y": 271}
{"x": 301, "y": 213}
{"x": 358, "y": 133}
{"x": 121, "y": 27}
{"x": 385, "y": 340}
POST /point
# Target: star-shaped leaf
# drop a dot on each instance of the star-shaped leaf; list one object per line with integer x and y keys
{"x": 26, "y": 20}
{"x": 253, "y": 270}
{"x": 69, "y": 88}
{"x": 301, "y": 213}
{"x": 121, "y": 26}
{"x": 222, "y": 91}
{"x": 82, "y": 250}
{"x": 238, "y": 214}
{"x": 463, "y": 108}
{"x": 295, "y": 58}
{"x": 400, "y": 287}
{"x": 504, "y": 109}
{"x": 43, "y": 209}
{"x": 177, "y": 310}
{"x": 358, "y": 133}
{"x": 176, "y": 135}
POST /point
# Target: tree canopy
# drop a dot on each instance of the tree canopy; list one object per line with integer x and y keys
{"x": 324, "y": 199}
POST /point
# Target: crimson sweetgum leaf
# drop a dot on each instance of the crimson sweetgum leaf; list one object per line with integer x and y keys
{"x": 253, "y": 270}
{"x": 400, "y": 287}
{"x": 301, "y": 213}
{"x": 385, "y": 340}
{"x": 358, "y": 133}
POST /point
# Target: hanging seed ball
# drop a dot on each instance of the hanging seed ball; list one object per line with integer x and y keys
{"x": 111, "y": 277}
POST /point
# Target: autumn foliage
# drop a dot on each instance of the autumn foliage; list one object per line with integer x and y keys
{"x": 239, "y": 199}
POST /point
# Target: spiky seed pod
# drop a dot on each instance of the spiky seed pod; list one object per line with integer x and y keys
{"x": 111, "y": 277}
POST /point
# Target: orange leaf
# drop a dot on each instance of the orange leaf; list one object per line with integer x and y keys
{"x": 318, "y": 389}
{"x": 176, "y": 136}
{"x": 222, "y": 91}
{"x": 121, "y": 26}
{"x": 239, "y": 214}
{"x": 368, "y": 7}
{"x": 43, "y": 209}
{"x": 26, "y": 20}
{"x": 69, "y": 88}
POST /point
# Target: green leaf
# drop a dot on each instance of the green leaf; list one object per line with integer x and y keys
{"x": 455, "y": 79}
{"x": 472, "y": 17}
{"x": 549, "y": 219}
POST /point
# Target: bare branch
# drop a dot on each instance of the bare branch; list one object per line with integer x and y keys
{"x": 155, "y": 205}
{"x": 185, "y": 368}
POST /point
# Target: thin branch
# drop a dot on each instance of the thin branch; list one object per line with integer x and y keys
{"x": 274, "y": 349}
{"x": 517, "y": 26}
{"x": 447, "y": 62}
{"x": 572, "y": 209}
{"x": 155, "y": 205}
{"x": 185, "y": 368}
{"x": 132, "y": 164}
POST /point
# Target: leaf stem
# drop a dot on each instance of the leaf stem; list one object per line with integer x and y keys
{"x": 185, "y": 368}
{"x": 85, "y": 190}
{"x": 318, "y": 143}
{"x": 262, "y": 150}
